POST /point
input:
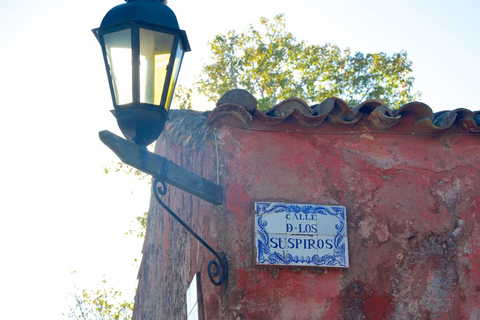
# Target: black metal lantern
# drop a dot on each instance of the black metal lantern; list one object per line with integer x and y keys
{"x": 143, "y": 49}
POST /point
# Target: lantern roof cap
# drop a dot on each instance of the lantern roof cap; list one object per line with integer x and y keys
{"x": 149, "y": 11}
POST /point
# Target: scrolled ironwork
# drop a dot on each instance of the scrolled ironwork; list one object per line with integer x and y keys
{"x": 216, "y": 268}
{"x": 161, "y": 190}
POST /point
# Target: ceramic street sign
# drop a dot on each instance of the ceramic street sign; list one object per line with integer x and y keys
{"x": 289, "y": 234}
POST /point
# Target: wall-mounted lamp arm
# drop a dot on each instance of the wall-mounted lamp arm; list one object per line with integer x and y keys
{"x": 160, "y": 167}
{"x": 165, "y": 171}
{"x": 220, "y": 268}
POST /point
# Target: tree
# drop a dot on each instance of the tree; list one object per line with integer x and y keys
{"x": 272, "y": 65}
{"x": 121, "y": 167}
{"x": 183, "y": 97}
{"x": 101, "y": 304}
{"x": 107, "y": 303}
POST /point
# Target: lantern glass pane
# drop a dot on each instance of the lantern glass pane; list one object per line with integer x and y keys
{"x": 155, "y": 51}
{"x": 119, "y": 54}
{"x": 176, "y": 69}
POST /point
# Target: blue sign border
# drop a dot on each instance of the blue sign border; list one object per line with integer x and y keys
{"x": 265, "y": 256}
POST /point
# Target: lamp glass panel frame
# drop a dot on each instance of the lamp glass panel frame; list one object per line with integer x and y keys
{"x": 148, "y": 80}
{"x": 118, "y": 59}
{"x": 176, "y": 70}
{"x": 155, "y": 51}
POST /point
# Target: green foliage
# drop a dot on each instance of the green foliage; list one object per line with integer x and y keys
{"x": 141, "y": 220}
{"x": 107, "y": 303}
{"x": 102, "y": 304}
{"x": 120, "y": 167}
{"x": 183, "y": 97}
{"x": 141, "y": 226}
{"x": 272, "y": 65}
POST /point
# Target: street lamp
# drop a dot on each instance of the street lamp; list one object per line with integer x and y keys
{"x": 143, "y": 49}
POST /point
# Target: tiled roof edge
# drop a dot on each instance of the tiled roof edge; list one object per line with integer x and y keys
{"x": 238, "y": 107}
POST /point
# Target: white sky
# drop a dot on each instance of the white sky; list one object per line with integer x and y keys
{"x": 59, "y": 212}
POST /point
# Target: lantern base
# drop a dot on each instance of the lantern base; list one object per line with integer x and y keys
{"x": 141, "y": 124}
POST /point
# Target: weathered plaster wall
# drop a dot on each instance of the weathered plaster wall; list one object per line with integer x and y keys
{"x": 169, "y": 254}
{"x": 411, "y": 204}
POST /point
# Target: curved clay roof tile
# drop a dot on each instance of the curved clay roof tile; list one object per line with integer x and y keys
{"x": 382, "y": 118}
{"x": 229, "y": 113}
{"x": 342, "y": 113}
{"x": 288, "y": 106}
{"x": 337, "y": 111}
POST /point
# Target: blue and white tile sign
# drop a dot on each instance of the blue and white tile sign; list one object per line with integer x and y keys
{"x": 301, "y": 235}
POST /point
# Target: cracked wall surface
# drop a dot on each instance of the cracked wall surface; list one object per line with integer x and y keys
{"x": 411, "y": 200}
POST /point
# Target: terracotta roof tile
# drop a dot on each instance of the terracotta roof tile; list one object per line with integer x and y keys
{"x": 230, "y": 113}
{"x": 414, "y": 116}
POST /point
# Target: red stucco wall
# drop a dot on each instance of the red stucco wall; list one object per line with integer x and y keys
{"x": 411, "y": 202}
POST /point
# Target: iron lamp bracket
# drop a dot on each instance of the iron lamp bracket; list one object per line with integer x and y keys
{"x": 165, "y": 171}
